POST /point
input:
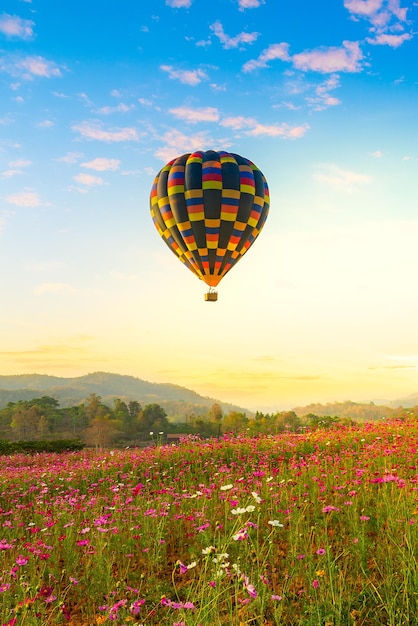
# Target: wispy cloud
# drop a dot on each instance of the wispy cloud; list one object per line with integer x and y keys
{"x": 274, "y": 130}
{"x": 89, "y": 180}
{"x": 249, "y": 4}
{"x": 333, "y": 59}
{"x": 322, "y": 98}
{"x": 274, "y": 51}
{"x": 15, "y": 168}
{"x": 45, "y": 124}
{"x": 94, "y": 130}
{"x": 394, "y": 41}
{"x": 232, "y": 42}
{"x": 187, "y": 77}
{"x": 386, "y": 18}
{"x": 14, "y": 26}
{"x": 175, "y": 142}
{"x": 25, "y": 199}
{"x": 332, "y": 174}
{"x": 20, "y": 163}
{"x": 102, "y": 164}
{"x": 70, "y": 157}
{"x": 253, "y": 128}
{"x": 119, "y": 108}
{"x": 11, "y": 173}
{"x": 179, "y": 4}
{"x": 30, "y": 67}
{"x": 346, "y": 58}
{"x": 194, "y": 116}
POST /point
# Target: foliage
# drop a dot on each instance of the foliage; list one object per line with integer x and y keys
{"x": 99, "y": 425}
{"x": 293, "y": 529}
{"x": 36, "y": 447}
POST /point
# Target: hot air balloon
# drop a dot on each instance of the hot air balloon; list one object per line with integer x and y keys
{"x": 209, "y": 207}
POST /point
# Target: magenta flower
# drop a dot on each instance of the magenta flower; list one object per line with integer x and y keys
{"x": 21, "y": 560}
{"x": 321, "y": 551}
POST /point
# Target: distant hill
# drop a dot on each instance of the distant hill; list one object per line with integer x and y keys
{"x": 406, "y": 402}
{"x": 71, "y": 391}
{"x": 352, "y": 410}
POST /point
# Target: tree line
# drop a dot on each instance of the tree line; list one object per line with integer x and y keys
{"x": 129, "y": 423}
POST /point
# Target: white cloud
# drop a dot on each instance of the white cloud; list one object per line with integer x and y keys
{"x": 248, "y": 4}
{"x": 187, "y": 77}
{"x": 238, "y": 122}
{"x": 193, "y": 116}
{"x": 120, "y": 108}
{"x": 60, "y": 288}
{"x": 20, "y": 163}
{"x": 30, "y": 67}
{"x": 93, "y": 130}
{"x": 14, "y": 26}
{"x": 232, "y": 42}
{"x": 102, "y": 164}
{"x": 346, "y": 180}
{"x": 11, "y": 173}
{"x": 323, "y": 99}
{"x": 179, "y": 4}
{"x": 6, "y": 120}
{"x": 177, "y": 143}
{"x": 327, "y": 60}
{"x": 253, "y": 128}
{"x": 274, "y": 51}
{"x": 70, "y": 157}
{"x": 380, "y": 13}
{"x": 45, "y": 124}
{"x": 25, "y": 199}
{"x": 89, "y": 180}
{"x": 274, "y": 130}
{"x": 377, "y": 154}
{"x": 394, "y": 41}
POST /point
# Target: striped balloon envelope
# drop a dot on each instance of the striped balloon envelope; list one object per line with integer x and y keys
{"x": 209, "y": 207}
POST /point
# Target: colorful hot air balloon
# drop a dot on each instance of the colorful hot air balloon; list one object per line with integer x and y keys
{"x": 209, "y": 207}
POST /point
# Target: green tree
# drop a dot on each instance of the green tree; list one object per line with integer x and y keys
{"x": 235, "y": 422}
{"x": 101, "y": 431}
{"x": 25, "y": 422}
{"x": 152, "y": 418}
{"x": 216, "y": 416}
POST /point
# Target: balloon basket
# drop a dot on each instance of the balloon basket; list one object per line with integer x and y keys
{"x": 211, "y": 296}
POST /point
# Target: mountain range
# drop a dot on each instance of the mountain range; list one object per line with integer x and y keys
{"x": 175, "y": 399}
{"x": 71, "y": 391}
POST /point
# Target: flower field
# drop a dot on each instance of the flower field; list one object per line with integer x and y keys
{"x": 317, "y": 528}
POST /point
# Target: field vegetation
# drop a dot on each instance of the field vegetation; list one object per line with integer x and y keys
{"x": 312, "y": 528}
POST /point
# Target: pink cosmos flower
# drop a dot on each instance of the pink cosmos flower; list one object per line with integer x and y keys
{"x": 21, "y": 560}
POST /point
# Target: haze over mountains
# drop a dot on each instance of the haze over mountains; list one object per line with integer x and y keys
{"x": 70, "y": 391}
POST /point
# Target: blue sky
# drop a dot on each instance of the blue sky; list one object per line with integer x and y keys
{"x": 96, "y": 97}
